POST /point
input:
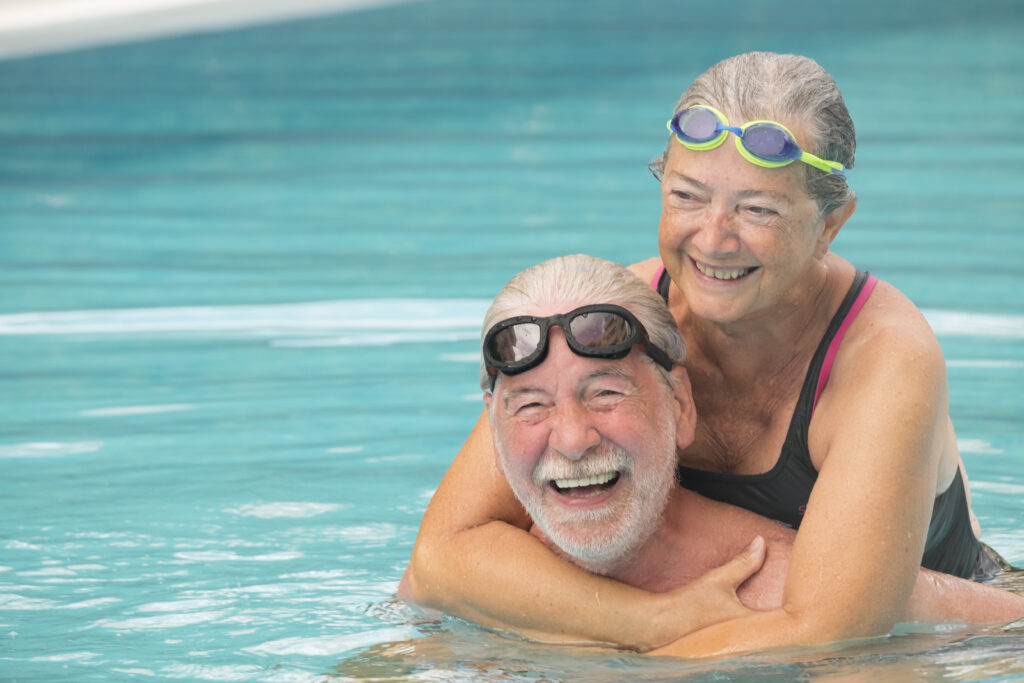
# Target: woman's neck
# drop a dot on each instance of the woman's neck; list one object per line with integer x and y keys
{"x": 770, "y": 341}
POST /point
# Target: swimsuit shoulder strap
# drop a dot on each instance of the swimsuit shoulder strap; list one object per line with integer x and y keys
{"x": 795, "y": 447}
{"x": 863, "y": 284}
{"x": 661, "y": 282}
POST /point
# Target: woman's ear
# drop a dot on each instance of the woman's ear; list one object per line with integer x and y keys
{"x": 685, "y": 410}
{"x": 833, "y": 222}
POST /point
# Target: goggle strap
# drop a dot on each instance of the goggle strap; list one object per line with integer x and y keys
{"x": 823, "y": 164}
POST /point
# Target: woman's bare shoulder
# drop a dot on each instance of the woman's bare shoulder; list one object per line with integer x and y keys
{"x": 892, "y": 321}
{"x": 647, "y": 269}
{"x": 890, "y": 341}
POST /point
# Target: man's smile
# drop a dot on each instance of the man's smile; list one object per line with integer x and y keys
{"x": 586, "y": 487}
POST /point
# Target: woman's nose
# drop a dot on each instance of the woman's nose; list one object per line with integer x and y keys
{"x": 717, "y": 234}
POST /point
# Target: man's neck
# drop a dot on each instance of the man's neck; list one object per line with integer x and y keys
{"x": 670, "y": 557}
{"x": 695, "y": 535}
{"x": 673, "y": 555}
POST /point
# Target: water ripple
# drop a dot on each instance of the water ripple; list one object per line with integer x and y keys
{"x": 48, "y": 449}
{"x": 960, "y": 323}
{"x": 291, "y": 510}
{"x": 117, "y": 411}
{"x": 333, "y": 645}
{"x": 162, "y": 621}
{"x": 230, "y": 556}
{"x": 13, "y": 601}
{"x": 269, "y": 320}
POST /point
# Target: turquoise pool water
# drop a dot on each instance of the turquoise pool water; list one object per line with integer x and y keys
{"x": 242, "y": 274}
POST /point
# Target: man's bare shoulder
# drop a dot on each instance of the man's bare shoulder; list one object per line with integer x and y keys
{"x": 724, "y": 522}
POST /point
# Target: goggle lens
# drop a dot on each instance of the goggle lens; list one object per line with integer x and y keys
{"x": 600, "y": 329}
{"x": 769, "y": 142}
{"x": 697, "y": 124}
{"x": 514, "y": 343}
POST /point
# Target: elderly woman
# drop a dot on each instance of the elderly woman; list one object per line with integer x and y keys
{"x": 821, "y": 396}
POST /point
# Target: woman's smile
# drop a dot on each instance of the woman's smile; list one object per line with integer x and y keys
{"x": 722, "y": 273}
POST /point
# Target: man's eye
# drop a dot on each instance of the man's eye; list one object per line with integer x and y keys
{"x": 762, "y": 210}
{"x": 606, "y": 396}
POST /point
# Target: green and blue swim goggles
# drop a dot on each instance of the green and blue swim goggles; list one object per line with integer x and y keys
{"x": 765, "y": 143}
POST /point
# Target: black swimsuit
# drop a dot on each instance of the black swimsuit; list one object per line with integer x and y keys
{"x": 782, "y": 492}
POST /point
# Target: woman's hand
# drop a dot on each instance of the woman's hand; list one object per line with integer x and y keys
{"x": 709, "y": 600}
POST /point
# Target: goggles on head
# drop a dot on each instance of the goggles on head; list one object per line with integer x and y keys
{"x": 597, "y": 331}
{"x": 765, "y": 143}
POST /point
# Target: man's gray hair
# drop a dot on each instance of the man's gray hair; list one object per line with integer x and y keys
{"x": 783, "y": 88}
{"x": 568, "y": 282}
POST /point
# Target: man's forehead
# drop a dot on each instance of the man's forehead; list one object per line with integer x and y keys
{"x": 542, "y": 309}
{"x": 582, "y": 373}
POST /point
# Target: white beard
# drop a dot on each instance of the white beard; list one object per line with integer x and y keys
{"x": 602, "y": 540}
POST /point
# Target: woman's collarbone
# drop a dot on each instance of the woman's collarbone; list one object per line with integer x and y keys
{"x": 733, "y": 447}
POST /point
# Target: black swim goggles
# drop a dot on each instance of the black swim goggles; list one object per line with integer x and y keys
{"x": 597, "y": 331}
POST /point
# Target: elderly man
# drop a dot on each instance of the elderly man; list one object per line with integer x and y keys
{"x": 588, "y": 400}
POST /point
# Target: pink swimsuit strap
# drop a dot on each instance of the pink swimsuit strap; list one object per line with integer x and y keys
{"x": 833, "y": 347}
{"x": 657, "y": 278}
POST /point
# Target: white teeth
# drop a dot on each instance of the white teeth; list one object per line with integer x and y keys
{"x": 595, "y": 480}
{"x": 722, "y": 273}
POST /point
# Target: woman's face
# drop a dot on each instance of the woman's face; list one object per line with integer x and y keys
{"x": 738, "y": 239}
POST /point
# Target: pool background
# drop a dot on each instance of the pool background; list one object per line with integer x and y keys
{"x": 242, "y": 273}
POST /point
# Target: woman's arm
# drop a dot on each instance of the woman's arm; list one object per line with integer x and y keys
{"x": 474, "y": 558}
{"x": 941, "y": 597}
{"x": 883, "y": 426}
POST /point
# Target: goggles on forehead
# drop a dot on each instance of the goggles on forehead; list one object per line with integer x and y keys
{"x": 597, "y": 331}
{"x": 765, "y": 143}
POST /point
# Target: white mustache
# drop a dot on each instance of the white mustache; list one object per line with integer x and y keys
{"x": 601, "y": 459}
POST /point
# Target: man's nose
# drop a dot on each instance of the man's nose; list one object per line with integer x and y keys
{"x": 572, "y": 431}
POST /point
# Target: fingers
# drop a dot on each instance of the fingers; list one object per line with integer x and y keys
{"x": 708, "y": 600}
{"x": 744, "y": 565}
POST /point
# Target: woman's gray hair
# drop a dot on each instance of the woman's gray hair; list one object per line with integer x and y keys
{"x": 568, "y": 282}
{"x": 783, "y": 88}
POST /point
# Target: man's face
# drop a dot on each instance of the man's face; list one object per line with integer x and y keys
{"x": 588, "y": 446}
